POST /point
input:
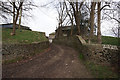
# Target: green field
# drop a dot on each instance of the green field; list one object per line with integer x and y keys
{"x": 25, "y": 36}
{"x": 107, "y": 40}
{"x": 110, "y": 40}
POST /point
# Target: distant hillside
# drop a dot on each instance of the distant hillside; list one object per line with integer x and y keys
{"x": 25, "y": 36}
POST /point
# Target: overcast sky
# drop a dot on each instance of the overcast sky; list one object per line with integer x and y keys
{"x": 45, "y": 20}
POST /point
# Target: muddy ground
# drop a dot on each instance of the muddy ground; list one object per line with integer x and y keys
{"x": 58, "y": 62}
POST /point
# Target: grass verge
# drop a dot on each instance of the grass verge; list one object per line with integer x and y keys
{"x": 25, "y": 36}
{"x": 107, "y": 40}
{"x": 100, "y": 71}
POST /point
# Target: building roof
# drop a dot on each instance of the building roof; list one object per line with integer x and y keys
{"x": 10, "y": 25}
{"x": 65, "y": 28}
{"x": 6, "y": 23}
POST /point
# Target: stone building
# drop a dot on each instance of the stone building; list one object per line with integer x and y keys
{"x": 51, "y": 37}
{"x": 65, "y": 31}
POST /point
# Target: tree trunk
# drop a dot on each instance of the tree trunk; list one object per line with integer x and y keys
{"x": 71, "y": 19}
{"x": 71, "y": 33}
{"x": 78, "y": 22}
{"x": 76, "y": 12}
{"x": 99, "y": 30}
{"x": 59, "y": 31}
{"x": 61, "y": 27}
{"x": 92, "y": 19}
{"x": 15, "y": 17}
{"x": 77, "y": 17}
{"x": 14, "y": 26}
{"x": 119, "y": 32}
{"x": 20, "y": 17}
{"x": 14, "y": 22}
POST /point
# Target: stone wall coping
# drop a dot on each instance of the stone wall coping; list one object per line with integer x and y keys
{"x": 104, "y": 46}
{"x": 110, "y": 46}
{"x": 81, "y": 39}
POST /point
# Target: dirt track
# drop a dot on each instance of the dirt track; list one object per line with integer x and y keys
{"x": 59, "y": 62}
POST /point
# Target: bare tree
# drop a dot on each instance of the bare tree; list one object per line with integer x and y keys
{"x": 113, "y": 14}
{"x": 76, "y": 6}
{"x": 62, "y": 16}
{"x": 93, "y": 4}
{"x": 15, "y": 9}
{"x": 99, "y": 8}
{"x": 20, "y": 17}
{"x": 15, "y": 16}
{"x": 116, "y": 31}
{"x": 70, "y": 14}
{"x": 99, "y": 24}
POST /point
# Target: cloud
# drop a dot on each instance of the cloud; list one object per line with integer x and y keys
{"x": 44, "y": 20}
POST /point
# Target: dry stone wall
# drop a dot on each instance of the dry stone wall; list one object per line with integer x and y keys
{"x": 97, "y": 53}
{"x": 10, "y": 51}
{"x": 101, "y": 53}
